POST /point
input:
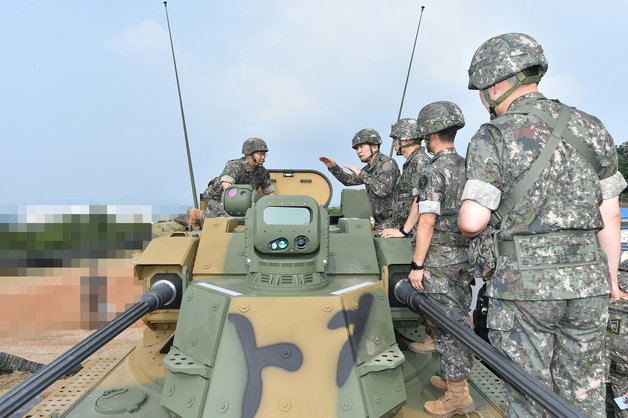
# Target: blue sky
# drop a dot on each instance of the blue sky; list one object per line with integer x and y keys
{"x": 90, "y": 115}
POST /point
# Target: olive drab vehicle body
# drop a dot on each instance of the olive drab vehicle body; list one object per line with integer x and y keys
{"x": 282, "y": 312}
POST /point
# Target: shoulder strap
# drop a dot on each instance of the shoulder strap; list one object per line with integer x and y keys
{"x": 521, "y": 188}
{"x": 567, "y": 136}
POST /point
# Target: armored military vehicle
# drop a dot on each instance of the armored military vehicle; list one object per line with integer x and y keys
{"x": 276, "y": 311}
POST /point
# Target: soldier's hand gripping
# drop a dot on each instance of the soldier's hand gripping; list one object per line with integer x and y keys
{"x": 416, "y": 278}
{"x": 391, "y": 233}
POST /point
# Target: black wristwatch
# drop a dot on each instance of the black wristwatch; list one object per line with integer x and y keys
{"x": 405, "y": 234}
{"x": 415, "y": 266}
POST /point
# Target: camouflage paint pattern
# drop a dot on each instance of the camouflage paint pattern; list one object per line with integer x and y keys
{"x": 380, "y": 178}
{"x": 566, "y": 196}
{"x": 439, "y": 191}
{"x": 237, "y": 171}
{"x": 502, "y": 57}
{"x": 438, "y": 116}
{"x": 529, "y": 332}
{"x": 403, "y": 198}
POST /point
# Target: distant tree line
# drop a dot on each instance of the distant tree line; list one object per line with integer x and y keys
{"x": 622, "y": 154}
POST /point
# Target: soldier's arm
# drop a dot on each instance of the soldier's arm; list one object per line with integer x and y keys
{"x": 267, "y": 184}
{"x": 383, "y": 183}
{"x": 482, "y": 191}
{"x": 610, "y": 240}
{"x": 473, "y": 218}
{"x": 229, "y": 174}
{"x": 344, "y": 177}
{"x": 424, "y": 233}
{"x": 612, "y": 183}
{"x": 413, "y": 217}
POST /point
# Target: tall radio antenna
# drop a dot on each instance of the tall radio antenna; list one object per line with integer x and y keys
{"x": 403, "y": 96}
{"x": 185, "y": 131}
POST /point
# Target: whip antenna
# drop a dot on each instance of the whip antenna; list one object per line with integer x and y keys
{"x": 185, "y": 131}
{"x": 403, "y": 96}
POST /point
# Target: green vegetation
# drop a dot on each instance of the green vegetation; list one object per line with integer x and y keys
{"x": 76, "y": 237}
{"x": 622, "y": 154}
{"x": 334, "y": 210}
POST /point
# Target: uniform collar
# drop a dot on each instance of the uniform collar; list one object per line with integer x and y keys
{"x": 445, "y": 151}
{"x": 525, "y": 100}
{"x": 375, "y": 160}
{"x": 419, "y": 150}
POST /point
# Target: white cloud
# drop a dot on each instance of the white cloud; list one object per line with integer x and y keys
{"x": 144, "y": 38}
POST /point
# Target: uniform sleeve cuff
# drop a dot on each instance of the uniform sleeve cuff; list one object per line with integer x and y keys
{"x": 613, "y": 185}
{"x": 227, "y": 179}
{"x": 428, "y": 206}
{"x": 483, "y": 193}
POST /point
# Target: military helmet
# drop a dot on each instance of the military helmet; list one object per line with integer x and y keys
{"x": 438, "y": 116}
{"x": 502, "y": 57}
{"x": 366, "y": 136}
{"x": 252, "y": 145}
{"x": 405, "y": 129}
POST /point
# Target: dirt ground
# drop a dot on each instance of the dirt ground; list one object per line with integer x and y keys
{"x": 52, "y": 344}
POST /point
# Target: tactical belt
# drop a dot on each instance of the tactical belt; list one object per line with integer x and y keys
{"x": 505, "y": 248}
{"x": 454, "y": 239}
{"x": 553, "y": 250}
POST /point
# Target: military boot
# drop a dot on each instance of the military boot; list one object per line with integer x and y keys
{"x": 456, "y": 401}
{"x": 426, "y": 347}
{"x": 439, "y": 383}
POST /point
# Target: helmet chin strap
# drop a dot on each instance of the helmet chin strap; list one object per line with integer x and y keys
{"x": 367, "y": 159}
{"x": 521, "y": 80}
{"x": 255, "y": 162}
{"x": 412, "y": 143}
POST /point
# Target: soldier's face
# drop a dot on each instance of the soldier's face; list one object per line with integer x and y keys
{"x": 260, "y": 157}
{"x": 363, "y": 151}
{"x": 256, "y": 159}
{"x": 396, "y": 144}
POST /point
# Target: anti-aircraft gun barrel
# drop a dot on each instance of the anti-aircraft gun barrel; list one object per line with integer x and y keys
{"x": 506, "y": 369}
{"x": 160, "y": 294}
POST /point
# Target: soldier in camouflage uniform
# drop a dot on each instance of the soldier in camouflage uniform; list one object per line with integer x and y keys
{"x": 379, "y": 175}
{"x": 440, "y": 265}
{"x": 617, "y": 332}
{"x": 548, "y": 305}
{"x": 245, "y": 170}
{"x": 407, "y": 142}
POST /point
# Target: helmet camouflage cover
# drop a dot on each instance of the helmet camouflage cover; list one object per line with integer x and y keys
{"x": 438, "y": 116}
{"x": 366, "y": 136}
{"x": 405, "y": 129}
{"x": 502, "y": 57}
{"x": 252, "y": 145}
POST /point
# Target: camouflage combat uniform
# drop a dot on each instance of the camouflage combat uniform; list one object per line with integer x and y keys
{"x": 237, "y": 171}
{"x": 446, "y": 278}
{"x": 380, "y": 178}
{"x": 548, "y": 310}
{"x": 617, "y": 333}
{"x": 402, "y": 199}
